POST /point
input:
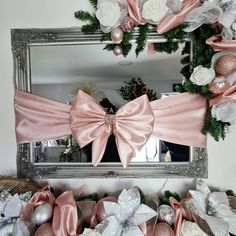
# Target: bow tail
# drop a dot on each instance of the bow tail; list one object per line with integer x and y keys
{"x": 99, "y": 147}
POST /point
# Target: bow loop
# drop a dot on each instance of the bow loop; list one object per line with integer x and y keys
{"x": 132, "y": 126}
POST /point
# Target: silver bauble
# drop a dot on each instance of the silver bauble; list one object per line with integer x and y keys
{"x": 42, "y": 214}
{"x": 167, "y": 214}
{"x": 117, "y": 51}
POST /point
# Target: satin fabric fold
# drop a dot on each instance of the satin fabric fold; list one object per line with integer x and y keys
{"x": 65, "y": 216}
{"x": 218, "y": 43}
{"x": 228, "y": 96}
{"x": 43, "y": 196}
{"x": 134, "y": 9}
{"x": 180, "y": 119}
{"x": 39, "y": 118}
{"x": 172, "y": 20}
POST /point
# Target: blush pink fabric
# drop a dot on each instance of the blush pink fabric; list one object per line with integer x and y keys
{"x": 228, "y": 96}
{"x": 218, "y": 43}
{"x": 43, "y": 196}
{"x": 171, "y": 21}
{"x": 134, "y": 9}
{"x": 178, "y": 119}
{"x": 65, "y": 217}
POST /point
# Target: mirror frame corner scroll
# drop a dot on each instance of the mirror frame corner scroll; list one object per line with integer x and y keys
{"x": 22, "y": 40}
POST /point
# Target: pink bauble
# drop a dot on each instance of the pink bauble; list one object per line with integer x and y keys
{"x": 225, "y": 65}
{"x": 101, "y": 215}
{"x": 117, "y": 51}
{"x": 128, "y": 24}
{"x": 163, "y": 229}
{"x": 117, "y": 35}
{"x": 44, "y": 230}
{"x": 219, "y": 86}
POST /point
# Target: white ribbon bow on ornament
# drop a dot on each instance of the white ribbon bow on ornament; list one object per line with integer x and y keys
{"x": 125, "y": 216}
{"x": 214, "y": 209}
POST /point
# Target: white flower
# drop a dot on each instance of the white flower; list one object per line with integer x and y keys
{"x": 202, "y": 76}
{"x": 90, "y": 232}
{"x": 189, "y": 228}
{"x": 109, "y": 14}
{"x": 154, "y": 10}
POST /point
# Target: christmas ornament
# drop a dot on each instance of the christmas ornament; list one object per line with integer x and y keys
{"x": 225, "y": 65}
{"x": 117, "y": 35}
{"x": 219, "y": 85}
{"x": 167, "y": 214}
{"x": 163, "y": 229}
{"x": 128, "y": 24}
{"x": 44, "y": 230}
{"x": 117, "y": 50}
{"x": 42, "y": 214}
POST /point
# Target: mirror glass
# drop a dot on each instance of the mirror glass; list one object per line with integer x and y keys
{"x": 57, "y": 72}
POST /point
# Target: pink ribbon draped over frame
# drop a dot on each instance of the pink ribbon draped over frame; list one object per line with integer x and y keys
{"x": 178, "y": 119}
{"x": 218, "y": 43}
{"x": 172, "y": 20}
{"x": 134, "y": 10}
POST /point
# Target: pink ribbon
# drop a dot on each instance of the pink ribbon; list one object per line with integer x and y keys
{"x": 218, "y": 43}
{"x": 65, "y": 217}
{"x": 178, "y": 119}
{"x": 228, "y": 96}
{"x": 38, "y": 199}
{"x": 134, "y": 10}
{"x": 171, "y": 21}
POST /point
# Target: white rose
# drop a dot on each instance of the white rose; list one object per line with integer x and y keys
{"x": 90, "y": 232}
{"x": 191, "y": 229}
{"x": 108, "y": 12}
{"x": 202, "y": 76}
{"x": 154, "y": 10}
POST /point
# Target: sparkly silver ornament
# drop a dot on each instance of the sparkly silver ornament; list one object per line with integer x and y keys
{"x": 117, "y": 51}
{"x": 167, "y": 214}
{"x": 42, "y": 214}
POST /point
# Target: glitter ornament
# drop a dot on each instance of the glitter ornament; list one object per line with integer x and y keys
{"x": 225, "y": 65}
{"x": 117, "y": 51}
{"x": 167, "y": 214}
{"x": 128, "y": 24}
{"x": 219, "y": 85}
{"x": 117, "y": 35}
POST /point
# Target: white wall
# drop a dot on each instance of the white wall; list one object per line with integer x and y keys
{"x": 59, "y": 13}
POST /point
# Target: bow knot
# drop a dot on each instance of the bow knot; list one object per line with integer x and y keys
{"x": 110, "y": 121}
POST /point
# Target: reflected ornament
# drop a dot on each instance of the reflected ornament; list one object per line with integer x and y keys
{"x": 42, "y": 214}
{"x": 117, "y": 35}
{"x": 117, "y": 51}
{"x": 219, "y": 85}
{"x": 226, "y": 65}
{"x": 163, "y": 229}
{"x": 128, "y": 24}
{"x": 167, "y": 214}
{"x": 189, "y": 228}
{"x": 44, "y": 230}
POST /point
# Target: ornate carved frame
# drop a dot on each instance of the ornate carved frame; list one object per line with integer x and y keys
{"x": 22, "y": 41}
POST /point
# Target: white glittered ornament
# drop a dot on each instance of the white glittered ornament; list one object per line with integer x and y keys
{"x": 167, "y": 214}
{"x": 42, "y": 214}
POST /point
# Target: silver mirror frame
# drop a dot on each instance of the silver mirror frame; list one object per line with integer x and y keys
{"x": 22, "y": 40}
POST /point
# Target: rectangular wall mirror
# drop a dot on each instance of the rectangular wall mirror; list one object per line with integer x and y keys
{"x": 56, "y": 63}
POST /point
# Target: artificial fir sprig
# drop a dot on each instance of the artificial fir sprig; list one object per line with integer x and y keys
{"x": 142, "y": 38}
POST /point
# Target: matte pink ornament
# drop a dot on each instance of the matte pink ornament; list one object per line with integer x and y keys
{"x": 219, "y": 86}
{"x": 163, "y": 229}
{"x": 101, "y": 215}
{"x": 44, "y": 230}
{"x": 117, "y": 51}
{"x": 225, "y": 65}
{"x": 117, "y": 35}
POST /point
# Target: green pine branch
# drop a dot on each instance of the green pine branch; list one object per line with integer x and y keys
{"x": 94, "y": 3}
{"x": 142, "y": 38}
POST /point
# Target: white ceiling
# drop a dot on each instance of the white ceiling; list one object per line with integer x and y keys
{"x": 73, "y": 63}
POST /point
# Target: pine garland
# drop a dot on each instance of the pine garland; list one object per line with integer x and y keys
{"x": 142, "y": 38}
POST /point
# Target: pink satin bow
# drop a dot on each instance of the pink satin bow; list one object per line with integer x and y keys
{"x": 132, "y": 126}
{"x": 218, "y": 43}
{"x": 171, "y": 21}
{"x": 134, "y": 10}
{"x": 228, "y": 96}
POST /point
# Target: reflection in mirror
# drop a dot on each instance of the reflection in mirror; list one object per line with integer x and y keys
{"x": 58, "y": 72}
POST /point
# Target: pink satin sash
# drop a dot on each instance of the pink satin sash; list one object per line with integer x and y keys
{"x": 171, "y": 21}
{"x": 178, "y": 119}
{"x": 134, "y": 10}
{"x": 218, "y": 43}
